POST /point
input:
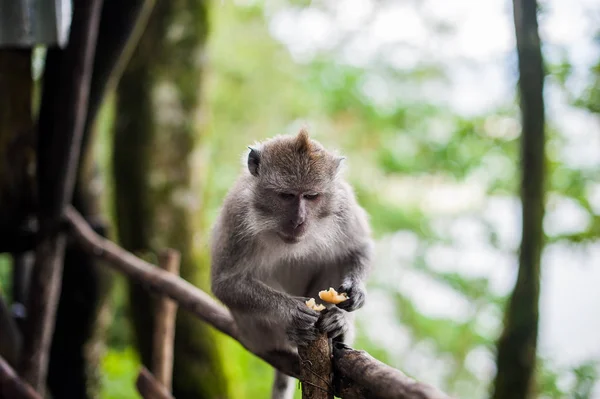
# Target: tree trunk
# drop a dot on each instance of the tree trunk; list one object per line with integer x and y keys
{"x": 156, "y": 134}
{"x": 17, "y": 145}
{"x": 17, "y": 161}
{"x": 517, "y": 345}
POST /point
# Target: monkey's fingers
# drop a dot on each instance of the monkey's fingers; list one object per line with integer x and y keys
{"x": 346, "y": 305}
{"x": 303, "y": 337}
{"x": 333, "y": 323}
{"x": 356, "y": 297}
{"x": 308, "y": 311}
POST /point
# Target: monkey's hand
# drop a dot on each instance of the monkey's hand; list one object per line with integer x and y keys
{"x": 356, "y": 292}
{"x": 333, "y": 322}
{"x": 301, "y": 329}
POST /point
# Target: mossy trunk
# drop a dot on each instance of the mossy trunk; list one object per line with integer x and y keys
{"x": 156, "y": 138}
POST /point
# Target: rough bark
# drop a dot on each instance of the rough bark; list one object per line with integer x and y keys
{"x": 516, "y": 349}
{"x": 316, "y": 372}
{"x": 356, "y": 373}
{"x": 60, "y": 128}
{"x": 158, "y": 100}
{"x": 359, "y": 375}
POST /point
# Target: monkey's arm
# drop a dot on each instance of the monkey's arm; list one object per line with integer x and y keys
{"x": 244, "y": 294}
{"x": 242, "y": 291}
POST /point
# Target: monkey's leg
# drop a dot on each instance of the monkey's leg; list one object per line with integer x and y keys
{"x": 283, "y": 386}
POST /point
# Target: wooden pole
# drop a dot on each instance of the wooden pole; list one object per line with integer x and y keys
{"x": 164, "y": 325}
{"x": 316, "y": 371}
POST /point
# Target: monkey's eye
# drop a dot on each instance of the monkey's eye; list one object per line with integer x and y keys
{"x": 286, "y": 196}
{"x": 311, "y": 196}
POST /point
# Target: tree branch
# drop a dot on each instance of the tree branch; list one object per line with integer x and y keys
{"x": 164, "y": 325}
{"x": 376, "y": 379}
{"x": 160, "y": 281}
{"x": 358, "y": 369}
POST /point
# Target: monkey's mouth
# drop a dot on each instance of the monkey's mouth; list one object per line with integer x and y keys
{"x": 290, "y": 239}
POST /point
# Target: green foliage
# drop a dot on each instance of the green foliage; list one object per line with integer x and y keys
{"x": 120, "y": 369}
{"x": 5, "y": 276}
{"x": 586, "y": 376}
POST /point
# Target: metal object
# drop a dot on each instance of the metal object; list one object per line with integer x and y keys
{"x": 27, "y": 23}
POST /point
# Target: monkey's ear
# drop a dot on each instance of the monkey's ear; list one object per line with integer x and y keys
{"x": 338, "y": 164}
{"x": 253, "y": 161}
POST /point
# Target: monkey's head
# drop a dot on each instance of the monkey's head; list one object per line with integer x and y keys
{"x": 293, "y": 181}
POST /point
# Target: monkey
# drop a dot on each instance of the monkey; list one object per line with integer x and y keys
{"x": 290, "y": 226}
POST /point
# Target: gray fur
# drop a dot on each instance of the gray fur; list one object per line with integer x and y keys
{"x": 289, "y": 228}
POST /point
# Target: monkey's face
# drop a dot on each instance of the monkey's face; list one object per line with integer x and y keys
{"x": 293, "y": 213}
{"x": 293, "y": 180}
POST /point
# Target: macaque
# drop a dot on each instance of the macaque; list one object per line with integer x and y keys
{"x": 289, "y": 228}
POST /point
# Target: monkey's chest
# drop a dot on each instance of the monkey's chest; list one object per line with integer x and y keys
{"x": 304, "y": 279}
{"x": 294, "y": 279}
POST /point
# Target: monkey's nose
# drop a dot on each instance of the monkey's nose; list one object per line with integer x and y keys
{"x": 298, "y": 225}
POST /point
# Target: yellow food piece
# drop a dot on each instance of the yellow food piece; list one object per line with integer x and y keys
{"x": 312, "y": 304}
{"x": 332, "y": 296}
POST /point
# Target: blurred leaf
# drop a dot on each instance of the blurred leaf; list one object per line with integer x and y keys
{"x": 120, "y": 370}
